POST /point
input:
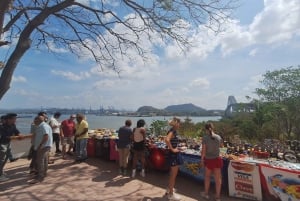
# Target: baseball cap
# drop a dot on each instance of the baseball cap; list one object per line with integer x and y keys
{"x": 10, "y": 115}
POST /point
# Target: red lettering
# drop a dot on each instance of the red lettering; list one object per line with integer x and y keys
{"x": 248, "y": 188}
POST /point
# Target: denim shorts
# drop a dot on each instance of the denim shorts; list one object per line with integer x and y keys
{"x": 174, "y": 159}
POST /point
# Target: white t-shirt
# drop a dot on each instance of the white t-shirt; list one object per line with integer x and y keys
{"x": 55, "y": 125}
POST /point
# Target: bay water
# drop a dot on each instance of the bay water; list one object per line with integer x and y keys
{"x": 111, "y": 122}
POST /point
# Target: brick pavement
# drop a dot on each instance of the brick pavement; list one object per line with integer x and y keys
{"x": 95, "y": 179}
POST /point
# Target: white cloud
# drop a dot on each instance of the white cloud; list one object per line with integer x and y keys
{"x": 253, "y": 52}
{"x": 56, "y": 49}
{"x": 278, "y": 22}
{"x": 253, "y": 83}
{"x": 202, "y": 83}
{"x": 19, "y": 79}
{"x": 71, "y": 75}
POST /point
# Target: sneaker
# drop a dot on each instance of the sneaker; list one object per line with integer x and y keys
{"x": 3, "y": 178}
{"x": 13, "y": 160}
{"x": 133, "y": 173}
{"x": 168, "y": 191}
{"x": 143, "y": 173}
{"x": 204, "y": 195}
{"x": 174, "y": 197}
{"x": 33, "y": 181}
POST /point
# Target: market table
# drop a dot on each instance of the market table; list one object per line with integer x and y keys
{"x": 262, "y": 179}
{"x": 280, "y": 181}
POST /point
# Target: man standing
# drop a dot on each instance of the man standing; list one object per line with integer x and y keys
{"x": 9, "y": 153}
{"x": 81, "y": 135}
{"x": 7, "y": 132}
{"x": 123, "y": 145}
{"x": 67, "y": 134}
{"x": 42, "y": 144}
{"x": 55, "y": 125}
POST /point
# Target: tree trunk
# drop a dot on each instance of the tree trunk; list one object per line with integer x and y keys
{"x": 10, "y": 66}
{"x": 4, "y": 5}
{"x": 25, "y": 42}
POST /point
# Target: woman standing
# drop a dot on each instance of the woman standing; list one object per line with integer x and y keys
{"x": 172, "y": 142}
{"x": 211, "y": 160}
{"x": 139, "y": 138}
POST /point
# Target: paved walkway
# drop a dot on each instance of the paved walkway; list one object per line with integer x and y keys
{"x": 96, "y": 179}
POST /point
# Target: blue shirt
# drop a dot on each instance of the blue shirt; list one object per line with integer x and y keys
{"x": 124, "y": 137}
{"x": 41, "y": 130}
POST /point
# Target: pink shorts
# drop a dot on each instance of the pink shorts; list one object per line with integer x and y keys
{"x": 213, "y": 163}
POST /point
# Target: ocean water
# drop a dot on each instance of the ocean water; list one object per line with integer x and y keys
{"x": 111, "y": 122}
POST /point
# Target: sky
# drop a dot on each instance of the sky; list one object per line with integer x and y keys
{"x": 261, "y": 36}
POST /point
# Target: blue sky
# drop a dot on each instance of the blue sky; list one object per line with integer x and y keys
{"x": 261, "y": 36}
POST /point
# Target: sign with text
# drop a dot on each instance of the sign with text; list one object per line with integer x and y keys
{"x": 244, "y": 180}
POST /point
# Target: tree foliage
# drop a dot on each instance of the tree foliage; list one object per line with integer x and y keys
{"x": 105, "y": 30}
{"x": 282, "y": 92}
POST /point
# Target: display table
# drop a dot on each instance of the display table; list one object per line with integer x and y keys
{"x": 105, "y": 148}
{"x": 265, "y": 180}
{"x": 280, "y": 182}
{"x": 190, "y": 167}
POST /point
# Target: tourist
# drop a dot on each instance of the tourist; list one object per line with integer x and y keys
{"x": 139, "y": 139}
{"x": 81, "y": 135}
{"x": 211, "y": 160}
{"x": 123, "y": 146}
{"x": 33, "y": 128}
{"x": 172, "y": 142}
{"x": 67, "y": 135}
{"x": 55, "y": 125}
{"x": 8, "y": 131}
{"x": 44, "y": 114}
{"x": 43, "y": 141}
{"x": 9, "y": 152}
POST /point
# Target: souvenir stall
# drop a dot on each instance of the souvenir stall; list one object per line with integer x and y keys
{"x": 102, "y": 144}
{"x": 251, "y": 178}
{"x": 280, "y": 180}
{"x": 264, "y": 179}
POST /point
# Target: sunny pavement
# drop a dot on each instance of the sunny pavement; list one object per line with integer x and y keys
{"x": 95, "y": 179}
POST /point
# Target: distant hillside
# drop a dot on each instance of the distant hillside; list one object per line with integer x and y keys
{"x": 148, "y": 110}
{"x": 188, "y": 109}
